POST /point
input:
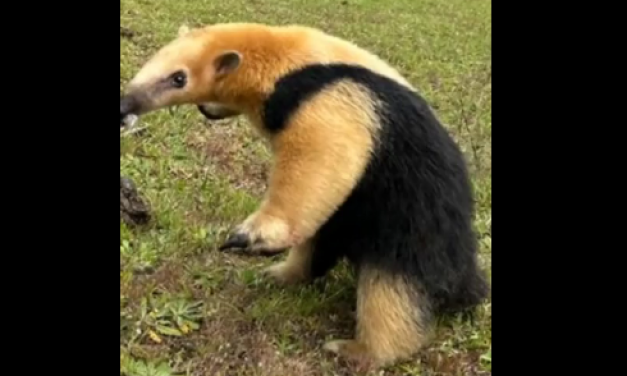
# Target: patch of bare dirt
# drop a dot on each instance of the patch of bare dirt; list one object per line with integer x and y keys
{"x": 235, "y": 152}
{"x": 244, "y": 348}
{"x": 170, "y": 277}
{"x": 453, "y": 363}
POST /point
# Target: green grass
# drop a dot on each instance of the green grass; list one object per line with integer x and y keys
{"x": 187, "y": 309}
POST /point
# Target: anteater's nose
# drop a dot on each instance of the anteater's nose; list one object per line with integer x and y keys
{"x": 128, "y": 105}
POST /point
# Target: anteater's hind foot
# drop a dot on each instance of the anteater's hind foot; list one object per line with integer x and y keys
{"x": 296, "y": 267}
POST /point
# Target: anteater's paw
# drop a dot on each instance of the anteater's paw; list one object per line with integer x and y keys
{"x": 285, "y": 273}
{"x": 259, "y": 234}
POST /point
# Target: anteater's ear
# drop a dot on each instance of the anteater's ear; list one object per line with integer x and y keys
{"x": 227, "y": 62}
{"x": 184, "y": 29}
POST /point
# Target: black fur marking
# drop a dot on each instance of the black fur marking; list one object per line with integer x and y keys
{"x": 412, "y": 213}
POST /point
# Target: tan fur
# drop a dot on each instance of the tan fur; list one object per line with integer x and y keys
{"x": 326, "y": 130}
{"x": 388, "y": 327}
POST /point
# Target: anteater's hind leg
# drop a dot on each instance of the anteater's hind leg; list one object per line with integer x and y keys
{"x": 393, "y": 319}
{"x": 296, "y": 268}
{"x": 304, "y": 263}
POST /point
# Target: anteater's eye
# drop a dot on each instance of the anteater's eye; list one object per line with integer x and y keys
{"x": 178, "y": 79}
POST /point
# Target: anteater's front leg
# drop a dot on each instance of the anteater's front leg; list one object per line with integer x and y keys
{"x": 318, "y": 159}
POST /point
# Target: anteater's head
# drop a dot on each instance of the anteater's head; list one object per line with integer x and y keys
{"x": 189, "y": 70}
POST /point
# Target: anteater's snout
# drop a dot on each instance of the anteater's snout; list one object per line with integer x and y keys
{"x": 129, "y": 108}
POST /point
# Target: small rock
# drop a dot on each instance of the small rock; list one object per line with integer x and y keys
{"x": 133, "y": 208}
